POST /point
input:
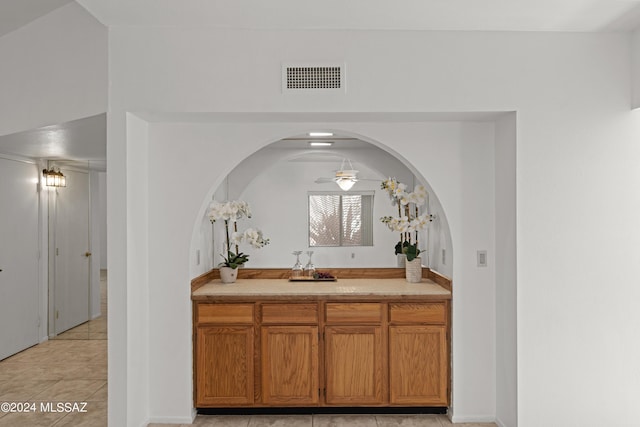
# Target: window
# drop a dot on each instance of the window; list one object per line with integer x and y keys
{"x": 337, "y": 219}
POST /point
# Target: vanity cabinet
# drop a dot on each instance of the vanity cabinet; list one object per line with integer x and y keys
{"x": 224, "y": 355}
{"x": 321, "y": 351}
{"x": 354, "y": 354}
{"x": 289, "y": 356}
{"x": 418, "y": 356}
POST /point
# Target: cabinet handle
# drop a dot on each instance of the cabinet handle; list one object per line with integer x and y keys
{"x": 87, "y": 254}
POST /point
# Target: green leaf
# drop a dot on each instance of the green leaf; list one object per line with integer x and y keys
{"x": 412, "y": 252}
{"x": 234, "y": 260}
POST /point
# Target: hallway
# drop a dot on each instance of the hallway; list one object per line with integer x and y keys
{"x": 39, "y": 386}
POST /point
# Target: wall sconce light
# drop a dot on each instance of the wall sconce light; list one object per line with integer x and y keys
{"x": 53, "y": 178}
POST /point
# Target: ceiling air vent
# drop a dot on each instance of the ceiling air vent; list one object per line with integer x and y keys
{"x": 305, "y": 77}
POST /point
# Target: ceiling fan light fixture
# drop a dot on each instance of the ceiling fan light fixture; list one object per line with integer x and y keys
{"x": 346, "y": 178}
{"x": 345, "y": 183}
{"x": 347, "y": 173}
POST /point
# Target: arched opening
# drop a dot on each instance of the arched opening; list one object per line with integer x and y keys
{"x": 276, "y": 181}
{"x": 469, "y": 163}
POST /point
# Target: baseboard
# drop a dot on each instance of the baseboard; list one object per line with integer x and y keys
{"x": 316, "y": 410}
{"x": 172, "y": 420}
{"x": 500, "y": 423}
{"x": 473, "y": 419}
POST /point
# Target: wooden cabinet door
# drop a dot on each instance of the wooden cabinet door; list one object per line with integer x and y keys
{"x": 418, "y": 365}
{"x": 290, "y": 365}
{"x": 224, "y": 365}
{"x": 354, "y": 365}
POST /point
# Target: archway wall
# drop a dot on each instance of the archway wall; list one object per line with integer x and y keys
{"x": 455, "y": 158}
{"x": 443, "y": 152}
{"x": 275, "y": 181}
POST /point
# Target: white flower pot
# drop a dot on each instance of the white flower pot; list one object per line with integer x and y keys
{"x": 228, "y": 274}
{"x": 413, "y": 270}
{"x": 402, "y": 258}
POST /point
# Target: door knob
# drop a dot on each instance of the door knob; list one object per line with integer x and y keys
{"x": 87, "y": 254}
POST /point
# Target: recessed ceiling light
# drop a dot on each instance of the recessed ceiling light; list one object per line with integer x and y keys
{"x": 321, "y": 143}
{"x": 320, "y": 134}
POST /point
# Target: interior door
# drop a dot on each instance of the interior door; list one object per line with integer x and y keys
{"x": 18, "y": 257}
{"x": 71, "y": 252}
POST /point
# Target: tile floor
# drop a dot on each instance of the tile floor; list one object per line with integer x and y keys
{"x": 71, "y": 368}
{"x": 325, "y": 421}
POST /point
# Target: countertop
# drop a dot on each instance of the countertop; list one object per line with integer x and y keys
{"x": 342, "y": 289}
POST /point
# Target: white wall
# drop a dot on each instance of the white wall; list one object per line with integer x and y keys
{"x": 635, "y": 69}
{"x": 96, "y": 239}
{"x": 138, "y": 372}
{"x": 54, "y": 70}
{"x": 43, "y": 247}
{"x": 23, "y": 292}
{"x": 576, "y": 168}
{"x": 102, "y": 227}
{"x": 473, "y": 336}
{"x": 506, "y": 272}
{"x": 279, "y": 203}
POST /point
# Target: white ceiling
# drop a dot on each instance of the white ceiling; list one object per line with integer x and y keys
{"x": 454, "y": 15}
{"x": 457, "y": 15}
{"x": 16, "y": 13}
{"x": 79, "y": 142}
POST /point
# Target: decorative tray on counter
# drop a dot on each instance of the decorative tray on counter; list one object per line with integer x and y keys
{"x": 318, "y": 277}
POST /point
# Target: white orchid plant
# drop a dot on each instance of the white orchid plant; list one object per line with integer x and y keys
{"x": 409, "y": 220}
{"x": 230, "y": 212}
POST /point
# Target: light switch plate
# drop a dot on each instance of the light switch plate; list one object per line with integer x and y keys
{"x": 482, "y": 258}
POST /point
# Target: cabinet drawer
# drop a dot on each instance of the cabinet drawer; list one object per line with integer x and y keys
{"x": 341, "y": 313}
{"x": 225, "y": 313}
{"x": 290, "y": 314}
{"x": 432, "y": 312}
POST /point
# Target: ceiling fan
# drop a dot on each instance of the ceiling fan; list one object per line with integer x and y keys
{"x": 345, "y": 178}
